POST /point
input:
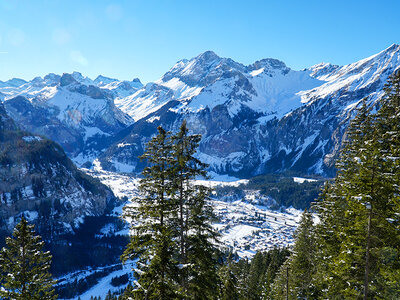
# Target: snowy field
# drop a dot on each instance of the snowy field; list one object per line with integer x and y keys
{"x": 245, "y": 226}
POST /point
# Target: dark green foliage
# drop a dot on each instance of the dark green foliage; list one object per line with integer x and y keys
{"x": 359, "y": 213}
{"x": 24, "y": 267}
{"x": 85, "y": 247}
{"x": 251, "y": 279}
{"x": 120, "y": 280}
{"x": 173, "y": 236}
{"x": 353, "y": 252}
{"x": 152, "y": 225}
{"x": 295, "y": 277}
{"x": 283, "y": 189}
{"x": 194, "y": 232}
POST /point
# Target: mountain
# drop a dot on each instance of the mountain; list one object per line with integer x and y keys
{"x": 38, "y": 180}
{"x": 254, "y": 119}
{"x": 71, "y": 109}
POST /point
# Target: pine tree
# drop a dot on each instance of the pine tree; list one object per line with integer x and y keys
{"x": 173, "y": 238}
{"x": 296, "y": 275}
{"x": 25, "y": 267}
{"x": 358, "y": 236}
{"x": 194, "y": 232}
{"x": 152, "y": 241}
{"x": 229, "y": 290}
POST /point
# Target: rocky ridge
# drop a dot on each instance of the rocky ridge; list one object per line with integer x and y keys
{"x": 38, "y": 180}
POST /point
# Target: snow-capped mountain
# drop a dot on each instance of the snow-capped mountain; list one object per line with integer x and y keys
{"x": 259, "y": 118}
{"x": 73, "y": 110}
{"x": 267, "y": 87}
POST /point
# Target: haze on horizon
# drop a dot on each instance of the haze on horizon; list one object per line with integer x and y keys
{"x": 128, "y": 39}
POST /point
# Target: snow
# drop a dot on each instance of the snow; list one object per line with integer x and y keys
{"x": 30, "y": 215}
{"x": 240, "y": 231}
{"x": 247, "y": 228}
{"x": 302, "y": 180}
{"x": 152, "y": 119}
{"x": 92, "y": 131}
{"x": 122, "y": 167}
{"x": 356, "y": 76}
{"x": 30, "y": 139}
{"x": 247, "y": 225}
{"x": 256, "y": 72}
{"x": 104, "y": 284}
{"x": 214, "y": 183}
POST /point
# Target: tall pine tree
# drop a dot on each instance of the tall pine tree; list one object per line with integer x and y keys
{"x": 295, "y": 278}
{"x": 25, "y": 267}
{"x": 358, "y": 236}
{"x": 194, "y": 232}
{"x": 171, "y": 223}
{"x": 152, "y": 239}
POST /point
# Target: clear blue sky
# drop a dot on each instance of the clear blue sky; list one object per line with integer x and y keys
{"x": 127, "y": 39}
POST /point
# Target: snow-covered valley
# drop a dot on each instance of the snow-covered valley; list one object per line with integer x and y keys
{"x": 246, "y": 226}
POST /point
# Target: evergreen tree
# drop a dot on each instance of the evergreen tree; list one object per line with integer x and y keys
{"x": 152, "y": 240}
{"x": 228, "y": 289}
{"x": 296, "y": 275}
{"x": 172, "y": 234}
{"x": 358, "y": 236}
{"x": 194, "y": 216}
{"x": 25, "y": 267}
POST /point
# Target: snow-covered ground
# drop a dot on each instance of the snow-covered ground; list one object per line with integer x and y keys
{"x": 104, "y": 285}
{"x": 244, "y": 225}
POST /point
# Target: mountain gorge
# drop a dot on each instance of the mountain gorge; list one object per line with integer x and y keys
{"x": 255, "y": 119}
{"x": 38, "y": 180}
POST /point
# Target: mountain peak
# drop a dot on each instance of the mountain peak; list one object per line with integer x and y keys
{"x": 270, "y": 63}
{"x": 67, "y": 79}
{"x": 104, "y": 80}
{"x": 392, "y": 48}
{"x": 207, "y": 56}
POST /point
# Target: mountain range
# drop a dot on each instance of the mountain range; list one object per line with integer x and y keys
{"x": 254, "y": 119}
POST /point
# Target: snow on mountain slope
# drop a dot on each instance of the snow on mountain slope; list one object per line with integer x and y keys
{"x": 357, "y": 76}
{"x": 70, "y": 109}
{"x": 254, "y": 119}
{"x": 259, "y": 118}
{"x": 38, "y": 179}
{"x": 267, "y": 86}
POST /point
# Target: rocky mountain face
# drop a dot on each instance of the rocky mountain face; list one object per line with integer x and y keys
{"x": 75, "y": 111}
{"x": 38, "y": 180}
{"x": 254, "y": 119}
{"x": 260, "y": 118}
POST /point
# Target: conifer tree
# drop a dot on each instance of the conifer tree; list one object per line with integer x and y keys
{"x": 358, "y": 236}
{"x": 229, "y": 290}
{"x": 295, "y": 278}
{"x": 194, "y": 232}
{"x": 152, "y": 240}
{"x": 172, "y": 233}
{"x": 25, "y": 267}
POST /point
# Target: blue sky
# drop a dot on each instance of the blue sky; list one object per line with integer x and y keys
{"x": 128, "y": 39}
